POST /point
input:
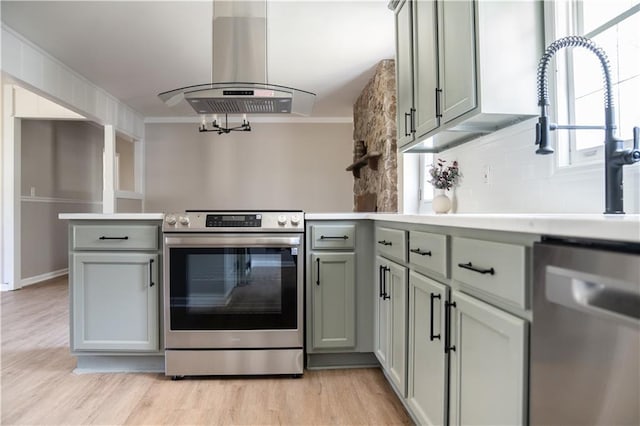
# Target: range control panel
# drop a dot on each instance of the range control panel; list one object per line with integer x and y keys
{"x": 234, "y": 221}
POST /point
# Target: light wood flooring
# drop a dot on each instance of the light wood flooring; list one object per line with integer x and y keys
{"x": 38, "y": 385}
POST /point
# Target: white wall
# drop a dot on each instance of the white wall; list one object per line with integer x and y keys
{"x": 275, "y": 166}
{"x": 522, "y": 182}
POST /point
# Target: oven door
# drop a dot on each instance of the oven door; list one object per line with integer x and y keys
{"x": 233, "y": 291}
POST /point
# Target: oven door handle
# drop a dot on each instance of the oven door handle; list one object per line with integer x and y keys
{"x": 231, "y": 241}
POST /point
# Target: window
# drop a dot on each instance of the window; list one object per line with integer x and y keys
{"x": 613, "y": 25}
{"x": 426, "y": 189}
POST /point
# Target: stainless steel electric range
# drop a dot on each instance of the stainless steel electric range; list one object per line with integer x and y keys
{"x": 233, "y": 294}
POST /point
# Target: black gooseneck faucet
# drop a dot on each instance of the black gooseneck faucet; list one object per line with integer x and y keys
{"x": 616, "y": 156}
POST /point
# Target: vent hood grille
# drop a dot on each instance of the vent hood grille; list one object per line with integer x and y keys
{"x": 246, "y": 106}
{"x": 244, "y": 100}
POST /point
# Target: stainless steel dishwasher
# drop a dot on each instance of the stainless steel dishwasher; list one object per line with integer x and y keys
{"x": 585, "y": 334}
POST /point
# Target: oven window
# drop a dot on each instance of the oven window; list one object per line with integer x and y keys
{"x": 232, "y": 288}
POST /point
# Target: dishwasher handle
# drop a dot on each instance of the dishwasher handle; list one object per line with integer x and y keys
{"x": 592, "y": 294}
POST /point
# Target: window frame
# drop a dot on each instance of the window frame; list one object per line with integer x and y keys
{"x": 563, "y": 18}
{"x": 425, "y": 190}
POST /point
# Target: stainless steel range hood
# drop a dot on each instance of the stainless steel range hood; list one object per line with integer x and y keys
{"x": 239, "y": 69}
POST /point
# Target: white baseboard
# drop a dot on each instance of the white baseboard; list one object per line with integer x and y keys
{"x": 5, "y": 287}
{"x": 43, "y": 277}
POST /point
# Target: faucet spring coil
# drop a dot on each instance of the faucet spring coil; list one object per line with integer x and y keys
{"x": 572, "y": 41}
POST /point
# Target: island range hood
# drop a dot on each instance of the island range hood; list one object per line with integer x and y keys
{"x": 239, "y": 69}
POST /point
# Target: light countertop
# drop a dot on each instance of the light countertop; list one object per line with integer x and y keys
{"x": 111, "y": 216}
{"x": 590, "y": 226}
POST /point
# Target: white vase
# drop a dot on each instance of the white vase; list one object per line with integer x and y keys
{"x": 441, "y": 203}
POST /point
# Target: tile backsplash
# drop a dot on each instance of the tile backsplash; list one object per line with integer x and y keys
{"x": 502, "y": 174}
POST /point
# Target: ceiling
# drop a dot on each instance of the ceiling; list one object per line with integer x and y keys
{"x": 135, "y": 50}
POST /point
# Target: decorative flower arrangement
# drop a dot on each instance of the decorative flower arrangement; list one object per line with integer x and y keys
{"x": 444, "y": 177}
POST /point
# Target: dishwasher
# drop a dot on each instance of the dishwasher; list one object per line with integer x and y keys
{"x": 585, "y": 333}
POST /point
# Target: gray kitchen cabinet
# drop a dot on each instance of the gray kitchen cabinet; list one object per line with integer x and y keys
{"x": 115, "y": 301}
{"x": 428, "y": 372}
{"x": 488, "y": 364}
{"x": 381, "y": 316}
{"x": 115, "y": 295}
{"x": 467, "y": 330}
{"x": 457, "y": 59}
{"x": 339, "y": 313}
{"x": 450, "y": 72}
{"x": 334, "y": 307}
{"x": 416, "y": 55}
{"x": 391, "y": 321}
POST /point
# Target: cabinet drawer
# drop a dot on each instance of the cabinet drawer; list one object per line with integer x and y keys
{"x": 495, "y": 268}
{"x": 392, "y": 243}
{"x": 115, "y": 237}
{"x": 333, "y": 236}
{"x": 428, "y": 251}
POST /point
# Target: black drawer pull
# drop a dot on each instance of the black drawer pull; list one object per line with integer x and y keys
{"x": 470, "y": 267}
{"x": 385, "y": 242}
{"x": 324, "y": 237}
{"x": 114, "y": 238}
{"x": 420, "y": 252}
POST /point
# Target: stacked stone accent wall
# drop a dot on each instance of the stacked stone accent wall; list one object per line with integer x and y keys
{"x": 374, "y": 121}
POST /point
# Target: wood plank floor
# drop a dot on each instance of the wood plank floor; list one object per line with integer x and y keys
{"x": 39, "y": 387}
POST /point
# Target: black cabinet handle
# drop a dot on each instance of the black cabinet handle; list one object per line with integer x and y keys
{"x": 380, "y": 278}
{"x": 385, "y": 243}
{"x": 114, "y": 238}
{"x": 447, "y": 326}
{"x": 324, "y": 237}
{"x": 412, "y": 111}
{"x": 438, "y": 103}
{"x": 406, "y": 114}
{"x": 470, "y": 267}
{"x": 431, "y": 335}
{"x": 385, "y": 295}
{"x": 318, "y": 270}
{"x": 420, "y": 252}
{"x": 151, "y": 283}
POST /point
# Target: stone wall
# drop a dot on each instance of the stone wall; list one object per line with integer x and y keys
{"x": 374, "y": 121}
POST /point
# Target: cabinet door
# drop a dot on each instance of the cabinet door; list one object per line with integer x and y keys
{"x": 395, "y": 286}
{"x": 381, "y": 314}
{"x": 115, "y": 302}
{"x": 334, "y": 304}
{"x": 404, "y": 72}
{"x": 397, "y": 289}
{"x": 456, "y": 28}
{"x": 427, "y": 362}
{"x": 425, "y": 62}
{"x": 487, "y": 364}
